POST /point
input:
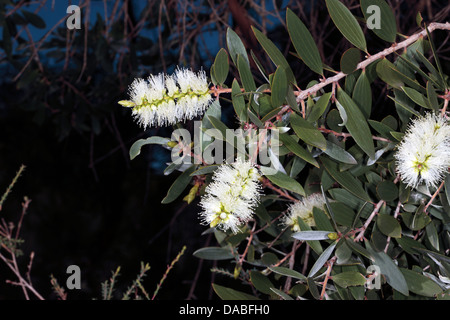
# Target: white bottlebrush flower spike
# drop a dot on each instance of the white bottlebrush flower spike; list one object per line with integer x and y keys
{"x": 423, "y": 155}
{"x": 303, "y": 209}
{"x": 164, "y": 100}
{"x": 231, "y": 197}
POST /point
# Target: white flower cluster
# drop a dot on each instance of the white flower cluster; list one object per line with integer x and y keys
{"x": 423, "y": 155}
{"x": 304, "y": 210}
{"x": 231, "y": 197}
{"x": 164, "y": 100}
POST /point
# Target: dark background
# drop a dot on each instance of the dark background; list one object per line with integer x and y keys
{"x": 91, "y": 206}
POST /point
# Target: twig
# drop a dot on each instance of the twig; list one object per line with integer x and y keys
{"x": 433, "y": 197}
{"x": 369, "y": 220}
{"x": 11, "y": 185}
{"x": 327, "y": 276}
{"x": 167, "y": 272}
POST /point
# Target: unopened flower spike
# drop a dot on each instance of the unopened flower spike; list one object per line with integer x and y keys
{"x": 163, "y": 100}
{"x": 423, "y": 155}
{"x": 304, "y": 210}
{"x": 231, "y": 196}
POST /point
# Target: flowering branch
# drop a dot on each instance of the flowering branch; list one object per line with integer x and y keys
{"x": 362, "y": 65}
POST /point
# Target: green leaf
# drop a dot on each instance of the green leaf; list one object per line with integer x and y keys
{"x": 230, "y": 294}
{"x": 260, "y": 282}
{"x": 303, "y": 42}
{"x": 436, "y": 58}
{"x": 416, "y": 221}
{"x": 314, "y": 244}
{"x": 279, "y": 87}
{"x": 389, "y": 269}
{"x": 214, "y": 253}
{"x": 308, "y": 132}
{"x": 447, "y": 187}
{"x": 135, "y": 149}
{"x": 322, "y": 259}
{"x": 357, "y": 124}
{"x": 321, "y": 219}
{"x": 432, "y": 235}
{"x": 294, "y": 147}
{"x": 179, "y": 185}
{"x": 362, "y": 94}
{"x": 221, "y": 66}
{"x": 345, "y": 179}
{"x": 389, "y": 226}
{"x": 387, "y": 190}
{"x": 432, "y": 96}
{"x": 282, "y": 180}
{"x": 346, "y": 23}
{"x": 319, "y": 108}
{"x": 246, "y": 74}
{"x": 350, "y": 60}
{"x": 281, "y": 294}
{"x": 419, "y": 284}
{"x": 417, "y": 97}
{"x": 381, "y": 128}
{"x": 385, "y": 70}
{"x": 288, "y": 272}
{"x": 348, "y": 279}
{"x": 409, "y": 245}
{"x": 238, "y": 101}
{"x": 338, "y": 153}
{"x": 313, "y": 235}
{"x": 236, "y": 47}
{"x": 275, "y": 54}
{"x": 387, "y": 28}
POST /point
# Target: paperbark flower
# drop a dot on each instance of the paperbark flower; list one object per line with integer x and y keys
{"x": 304, "y": 210}
{"x": 163, "y": 100}
{"x": 231, "y": 196}
{"x": 423, "y": 155}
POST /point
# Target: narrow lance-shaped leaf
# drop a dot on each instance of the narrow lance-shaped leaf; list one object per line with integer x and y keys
{"x": 357, "y": 124}
{"x": 303, "y": 42}
{"x": 298, "y": 150}
{"x": 230, "y": 294}
{"x": 308, "y": 132}
{"x": 235, "y": 47}
{"x": 326, "y": 254}
{"x": 274, "y": 53}
{"x": 179, "y": 185}
{"x": 319, "y": 108}
{"x": 238, "y": 101}
{"x": 279, "y": 87}
{"x": 362, "y": 94}
{"x": 314, "y": 235}
{"x": 221, "y": 66}
{"x": 346, "y": 23}
{"x": 389, "y": 269}
{"x": 246, "y": 74}
{"x": 135, "y": 149}
{"x": 282, "y": 180}
{"x": 345, "y": 179}
{"x": 380, "y": 19}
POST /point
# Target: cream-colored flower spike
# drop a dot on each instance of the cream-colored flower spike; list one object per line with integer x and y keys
{"x": 304, "y": 210}
{"x": 231, "y": 197}
{"x": 163, "y": 100}
{"x": 423, "y": 155}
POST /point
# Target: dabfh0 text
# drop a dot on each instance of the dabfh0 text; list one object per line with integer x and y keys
{"x": 243, "y": 309}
